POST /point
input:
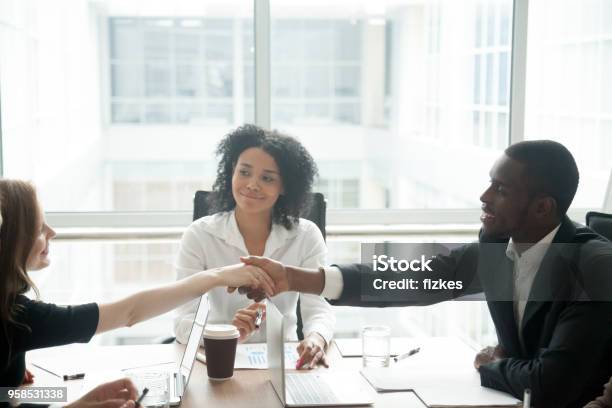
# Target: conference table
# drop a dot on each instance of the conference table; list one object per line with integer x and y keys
{"x": 247, "y": 388}
{"x": 252, "y": 388}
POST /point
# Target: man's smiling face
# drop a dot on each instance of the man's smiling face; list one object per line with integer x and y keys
{"x": 506, "y": 202}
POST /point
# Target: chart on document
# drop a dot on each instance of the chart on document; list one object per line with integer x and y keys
{"x": 254, "y": 356}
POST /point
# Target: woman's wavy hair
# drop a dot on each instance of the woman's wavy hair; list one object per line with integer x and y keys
{"x": 19, "y": 209}
{"x": 296, "y": 165}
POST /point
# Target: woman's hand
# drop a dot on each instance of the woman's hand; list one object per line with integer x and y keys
{"x": 117, "y": 394}
{"x": 311, "y": 351}
{"x": 245, "y": 319}
{"x": 28, "y": 377}
{"x": 234, "y": 276}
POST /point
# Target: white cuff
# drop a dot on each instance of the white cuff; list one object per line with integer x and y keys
{"x": 320, "y": 328}
{"x": 334, "y": 283}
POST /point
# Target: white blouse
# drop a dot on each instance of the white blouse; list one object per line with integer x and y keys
{"x": 215, "y": 241}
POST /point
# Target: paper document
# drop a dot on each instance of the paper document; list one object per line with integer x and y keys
{"x": 441, "y": 374}
{"x": 254, "y": 356}
{"x": 451, "y": 388}
{"x": 85, "y": 358}
{"x": 461, "y": 394}
{"x": 436, "y": 355}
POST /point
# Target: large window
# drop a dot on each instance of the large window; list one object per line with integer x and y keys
{"x": 316, "y": 71}
{"x": 569, "y": 96}
{"x": 166, "y": 70}
{"x": 491, "y": 74}
{"x": 117, "y": 105}
{"x": 383, "y": 95}
{"x": 386, "y": 95}
{"x": 420, "y": 84}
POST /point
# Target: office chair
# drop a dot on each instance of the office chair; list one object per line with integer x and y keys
{"x": 601, "y": 223}
{"x": 316, "y": 213}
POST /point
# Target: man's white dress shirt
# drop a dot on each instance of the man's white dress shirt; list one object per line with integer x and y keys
{"x": 526, "y": 266}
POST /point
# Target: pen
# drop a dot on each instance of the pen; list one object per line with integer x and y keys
{"x": 406, "y": 355}
{"x": 44, "y": 369}
{"x": 78, "y": 376}
{"x": 258, "y": 318}
{"x": 145, "y": 391}
{"x": 527, "y": 398}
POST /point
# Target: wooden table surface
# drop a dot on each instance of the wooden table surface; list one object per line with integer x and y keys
{"x": 247, "y": 388}
{"x": 252, "y": 388}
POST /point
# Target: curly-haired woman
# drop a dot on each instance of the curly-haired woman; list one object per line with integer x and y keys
{"x": 264, "y": 181}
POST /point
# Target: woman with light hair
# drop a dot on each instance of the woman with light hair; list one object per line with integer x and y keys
{"x": 27, "y": 324}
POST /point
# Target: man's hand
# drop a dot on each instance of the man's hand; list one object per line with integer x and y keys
{"x": 116, "y": 394}
{"x": 488, "y": 355}
{"x": 257, "y": 295}
{"x": 274, "y": 269}
{"x": 312, "y": 352}
{"x": 605, "y": 401}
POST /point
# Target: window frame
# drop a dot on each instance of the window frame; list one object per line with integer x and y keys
{"x": 262, "y": 100}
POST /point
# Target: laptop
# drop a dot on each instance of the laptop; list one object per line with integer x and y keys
{"x": 607, "y": 205}
{"x": 173, "y": 382}
{"x": 309, "y": 389}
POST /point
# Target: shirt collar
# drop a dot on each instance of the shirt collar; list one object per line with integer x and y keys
{"x": 224, "y": 226}
{"x": 536, "y": 253}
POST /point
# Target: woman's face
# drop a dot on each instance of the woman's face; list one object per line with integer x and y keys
{"x": 256, "y": 182}
{"x": 39, "y": 255}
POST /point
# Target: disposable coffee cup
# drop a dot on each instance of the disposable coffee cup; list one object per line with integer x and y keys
{"x": 220, "y": 341}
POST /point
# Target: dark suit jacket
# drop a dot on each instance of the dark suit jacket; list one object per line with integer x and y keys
{"x": 568, "y": 341}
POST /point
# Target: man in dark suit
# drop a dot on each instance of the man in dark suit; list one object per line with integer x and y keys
{"x": 537, "y": 270}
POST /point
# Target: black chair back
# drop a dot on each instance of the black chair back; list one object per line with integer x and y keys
{"x": 600, "y": 222}
{"x": 316, "y": 212}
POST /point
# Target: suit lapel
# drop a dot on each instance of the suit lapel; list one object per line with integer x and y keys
{"x": 499, "y": 286}
{"x": 552, "y": 279}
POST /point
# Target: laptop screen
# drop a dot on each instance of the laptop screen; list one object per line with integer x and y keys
{"x": 197, "y": 329}
{"x": 276, "y": 349}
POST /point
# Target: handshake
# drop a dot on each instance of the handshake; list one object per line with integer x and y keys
{"x": 260, "y": 277}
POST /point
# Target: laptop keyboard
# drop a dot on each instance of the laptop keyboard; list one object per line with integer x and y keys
{"x": 310, "y": 389}
{"x": 156, "y": 382}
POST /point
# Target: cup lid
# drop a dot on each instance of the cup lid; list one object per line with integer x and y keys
{"x": 221, "y": 331}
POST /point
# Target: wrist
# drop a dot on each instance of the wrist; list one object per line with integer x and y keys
{"x": 214, "y": 277}
{"x": 305, "y": 280}
{"x": 318, "y": 337}
{"x": 292, "y": 284}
